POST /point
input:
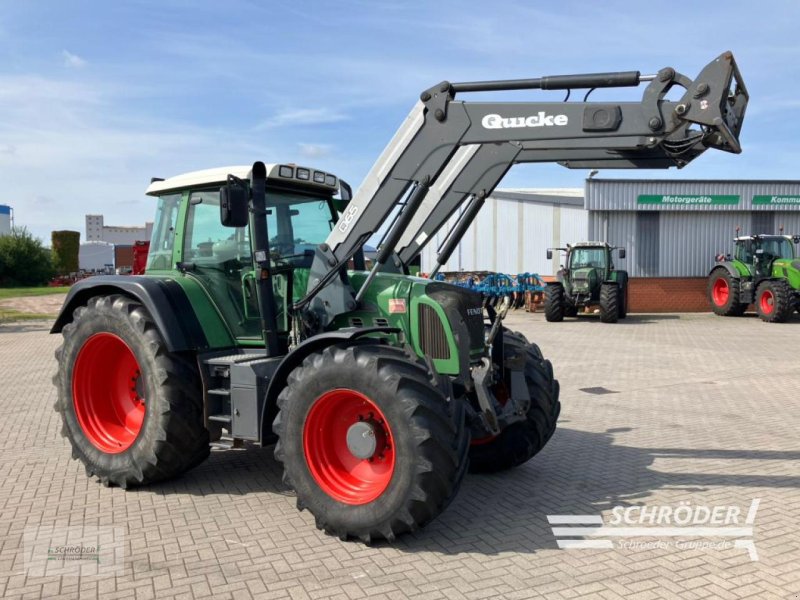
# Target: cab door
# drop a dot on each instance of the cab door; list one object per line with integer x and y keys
{"x": 220, "y": 259}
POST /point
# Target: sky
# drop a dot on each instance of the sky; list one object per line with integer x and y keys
{"x": 98, "y": 97}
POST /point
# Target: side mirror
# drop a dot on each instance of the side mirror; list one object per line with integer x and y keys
{"x": 621, "y": 253}
{"x": 233, "y": 209}
{"x": 796, "y": 239}
{"x": 549, "y": 254}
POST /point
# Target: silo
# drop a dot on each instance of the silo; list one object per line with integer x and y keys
{"x": 5, "y": 219}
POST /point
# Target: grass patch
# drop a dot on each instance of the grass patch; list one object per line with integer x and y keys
{"x": 9, "y": 315}
{"x": 7, "y": 293}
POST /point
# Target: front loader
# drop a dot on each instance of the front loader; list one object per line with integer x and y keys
{"x": 257, "y": 319}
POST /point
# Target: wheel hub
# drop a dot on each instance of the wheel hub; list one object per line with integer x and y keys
{"x": 362, "y": 440}
{"x": 348, "y": 446}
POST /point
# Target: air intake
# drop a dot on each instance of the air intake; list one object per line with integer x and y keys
{"x": 433, "y": 339}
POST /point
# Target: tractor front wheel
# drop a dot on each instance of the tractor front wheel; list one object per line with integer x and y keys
{"x": 131, "y": 410}
{"x": 554, "y": 302}
{"x": 521, "y": 441}
{"x": 723, "y": 294}
{"x": 609, "y": 302}
{"x": 774, "y": 301}
{"x": 371, "y": 439}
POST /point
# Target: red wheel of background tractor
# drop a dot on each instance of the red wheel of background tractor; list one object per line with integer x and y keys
{"x": 106, "y": 393}
{"x": 348, "y": 446}
{"x": 773, "y": 301}
{"x": 766, "y": 303}
{"x": 723, "y": 293}
{"x": 720, "y": 292}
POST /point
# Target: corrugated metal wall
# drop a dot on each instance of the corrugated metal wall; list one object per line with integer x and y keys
{"x": 687, "y": 241}
{"x": 622, "y": 194}
{"x": 512, "y": 236}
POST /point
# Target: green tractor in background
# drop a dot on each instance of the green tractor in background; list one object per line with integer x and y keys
{"x": 588, "y": 280}
{"x": 764, "y": 271}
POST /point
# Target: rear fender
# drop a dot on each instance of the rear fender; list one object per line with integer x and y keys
{"x": 163, "y": 299}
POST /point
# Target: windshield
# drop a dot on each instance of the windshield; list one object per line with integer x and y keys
{"x": 581, "y": 258}
{"x": 297, "y": 223}
{"x": 777, "y": 247}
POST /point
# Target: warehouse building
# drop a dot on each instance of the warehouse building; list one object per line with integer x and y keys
{"x": 98, "y": 231}
{"x": 512, "y": 232}
{"x": 671, "y": 230}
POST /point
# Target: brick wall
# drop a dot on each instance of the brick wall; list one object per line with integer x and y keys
{"x": 667, "y": 294}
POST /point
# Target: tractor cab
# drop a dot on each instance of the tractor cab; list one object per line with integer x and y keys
{"x": 588, "y": 265}
{"x": 758, "y": 253}
{"x": 300, "y": 213}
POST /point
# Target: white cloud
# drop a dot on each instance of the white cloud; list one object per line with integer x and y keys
{"x": 315, "y": 150}
{"x": 72, "y": 61}
{"x": 302, "y": 116}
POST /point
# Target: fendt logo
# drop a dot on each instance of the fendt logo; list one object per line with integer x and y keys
{"x": 541, "y": 120}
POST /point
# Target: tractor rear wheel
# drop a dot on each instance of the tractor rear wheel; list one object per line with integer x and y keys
{"x": 609, "y": 302}
{"x": 554, "y": 302}
{"x": 522, "y": 440}
{"x": 371, "y": 439}
{"x": 723, "y": 294}
{"x": 622, "y": 280}
{"x": 774, "y": 301}
{"x": 132, "y": 410}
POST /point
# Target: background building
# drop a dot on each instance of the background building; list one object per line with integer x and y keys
{"x": 675, "y": 228}
{"x": 5, "y": 219}
{"x": 512, "y": 232}
{"x": 670, "y": 229}
{"x": 98, "y": 231}
{"x": 96, "y": 256}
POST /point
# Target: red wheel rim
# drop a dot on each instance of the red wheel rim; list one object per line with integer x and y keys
{"x": 720, "y": 292}
{"x": 767, "y": 302}
{"x": 341, "y": 474}
{"x": 106, "y": 393}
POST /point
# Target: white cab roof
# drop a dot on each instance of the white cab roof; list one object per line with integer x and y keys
{"x": 219, "y": 175}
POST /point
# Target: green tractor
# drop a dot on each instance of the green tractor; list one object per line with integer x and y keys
{"x": 587, "y": 281}
{"x": 259, "y": 320}
{"x": 764, "y": 271}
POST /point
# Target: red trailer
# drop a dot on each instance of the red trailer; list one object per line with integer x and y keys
{"x": 140, "y": 250}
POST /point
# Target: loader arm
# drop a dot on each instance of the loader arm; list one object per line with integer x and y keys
{"x": 447, "y": 152}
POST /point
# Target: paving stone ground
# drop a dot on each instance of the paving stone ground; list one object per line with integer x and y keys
{"x": 704, "y": 410}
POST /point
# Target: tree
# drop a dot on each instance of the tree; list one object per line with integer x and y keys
{"x": 24, "y": 261}
{"x": 66, "y": 245}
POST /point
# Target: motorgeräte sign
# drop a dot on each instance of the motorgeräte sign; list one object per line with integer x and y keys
{"x": 688, "y": 199}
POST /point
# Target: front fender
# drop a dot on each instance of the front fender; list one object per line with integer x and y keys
{"x": 297, "y": 356}
{"x": 728, "y": 266}
{"x": 163, "y": 299}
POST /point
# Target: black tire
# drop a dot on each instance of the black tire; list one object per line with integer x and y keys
{"x": 774, "y": 301}
{"x": 609, "y": 302}
{"x": 723, "y": 294}
{"x": 554, "y": 302}
{"x": 622, "y": 280}
{"x": 427, "y": 431}
{"x": 172, "y": 438}
{"x": 521, "y": 441}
